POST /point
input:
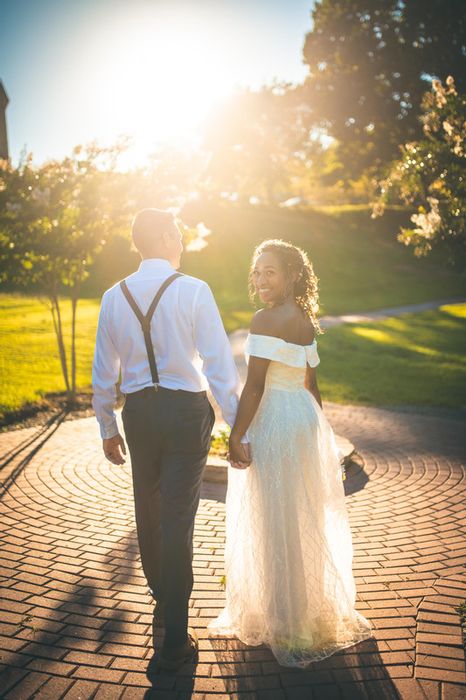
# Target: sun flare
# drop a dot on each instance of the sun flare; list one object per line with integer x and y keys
{"x": 154, "y": 81}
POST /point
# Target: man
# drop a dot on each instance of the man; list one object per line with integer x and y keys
{"x": 167, "y": 360}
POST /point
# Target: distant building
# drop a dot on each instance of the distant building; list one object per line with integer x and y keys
{"x": 3, "y": 135}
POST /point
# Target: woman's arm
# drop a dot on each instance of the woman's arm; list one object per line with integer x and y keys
{"x": 310, "y": 383}
{"x": 248, "y": 405}
{"x": 263, "y": 323}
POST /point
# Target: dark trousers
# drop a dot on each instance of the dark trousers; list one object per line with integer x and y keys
{"x": 168, "y": 435}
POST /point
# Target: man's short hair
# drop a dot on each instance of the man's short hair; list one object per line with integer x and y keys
{"x": 148, "y": 227}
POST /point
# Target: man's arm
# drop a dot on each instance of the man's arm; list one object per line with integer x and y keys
{"x": 105, "y": 372}
{"x": 214, "y": 348}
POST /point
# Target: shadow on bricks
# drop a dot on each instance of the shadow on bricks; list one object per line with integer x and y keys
{"x": 356, "y": 477}
{"x": 27, "y": 449}
{"x": 357, "y": 672}
{"x": 89, "y": 622}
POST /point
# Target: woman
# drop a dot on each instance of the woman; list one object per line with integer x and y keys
{"x": 288, "y": 554}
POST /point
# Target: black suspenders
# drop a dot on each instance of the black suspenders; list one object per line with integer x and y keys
{"x": 145, "y": 321}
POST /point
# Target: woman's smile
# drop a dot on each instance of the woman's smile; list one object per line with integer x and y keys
{"x": 268, "y": 278}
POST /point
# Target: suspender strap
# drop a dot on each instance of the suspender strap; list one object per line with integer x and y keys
{"x": 146, "y": 320}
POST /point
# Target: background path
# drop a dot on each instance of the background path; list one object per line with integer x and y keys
{"x": 382, "y": 314}
{"x": 76, "y": 620}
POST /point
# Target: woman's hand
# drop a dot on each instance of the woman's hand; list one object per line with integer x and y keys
{"x": 239, "y": 454}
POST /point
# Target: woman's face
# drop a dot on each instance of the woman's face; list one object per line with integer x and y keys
{"x": 269, "y": 278}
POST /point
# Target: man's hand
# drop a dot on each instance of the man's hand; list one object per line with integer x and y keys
{"x": 113, "y": 449}
{"x": 239, "y": 454}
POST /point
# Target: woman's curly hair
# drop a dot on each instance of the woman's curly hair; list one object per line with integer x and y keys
{"x": 292, "y": 259}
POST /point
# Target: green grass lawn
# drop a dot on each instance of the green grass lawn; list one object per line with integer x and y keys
{"x": 414, "y": 359}
{"x": 29, "y": 364}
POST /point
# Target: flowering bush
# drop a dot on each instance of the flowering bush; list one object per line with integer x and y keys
{"x": 431, "y": 175}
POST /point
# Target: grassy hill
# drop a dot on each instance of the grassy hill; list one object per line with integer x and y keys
{"x": 360, "y": 264}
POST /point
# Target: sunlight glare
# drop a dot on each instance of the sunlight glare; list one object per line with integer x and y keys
{"x": 157, "y": 82}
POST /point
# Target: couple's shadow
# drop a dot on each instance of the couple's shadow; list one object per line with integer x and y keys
{"x": 231, "y": 667}
{"x": 344, "y": 674}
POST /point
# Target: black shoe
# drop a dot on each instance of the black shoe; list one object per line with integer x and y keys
{"x": 173, "y": 659}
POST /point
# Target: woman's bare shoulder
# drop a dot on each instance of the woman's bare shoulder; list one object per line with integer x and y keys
{"x": 296, "y": 326}
{"x": 266, "y": 322}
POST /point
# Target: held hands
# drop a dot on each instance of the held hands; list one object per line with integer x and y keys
{"x": 239, "y": 454}
{"x": 114, "y": 449}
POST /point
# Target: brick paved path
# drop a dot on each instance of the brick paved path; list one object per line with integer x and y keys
{"x": 76, "y": 620}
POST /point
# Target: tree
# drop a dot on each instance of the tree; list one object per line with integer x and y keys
{"x": 368, "y": 65}
{"x": 53, "y": 220}
{"x": 431, "y": 174}
{"x": 252, "y": 138}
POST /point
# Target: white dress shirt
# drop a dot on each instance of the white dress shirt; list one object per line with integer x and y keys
{"x": 191, "y": 347}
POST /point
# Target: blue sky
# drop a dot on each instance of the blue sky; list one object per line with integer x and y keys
{"x": 78, "y": 70}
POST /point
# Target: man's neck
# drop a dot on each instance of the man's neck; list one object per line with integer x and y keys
{"x": 156, "y": 264}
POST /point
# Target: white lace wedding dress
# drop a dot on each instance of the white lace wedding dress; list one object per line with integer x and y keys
{"x": 288, "y": 553}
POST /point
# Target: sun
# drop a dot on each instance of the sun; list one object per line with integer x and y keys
{"x": 156, "y": 82}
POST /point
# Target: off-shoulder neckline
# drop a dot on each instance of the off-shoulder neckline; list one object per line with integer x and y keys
{"x": 274, "y": 337}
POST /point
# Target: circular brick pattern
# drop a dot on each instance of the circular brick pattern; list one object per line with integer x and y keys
{"x": 77, "y": 621}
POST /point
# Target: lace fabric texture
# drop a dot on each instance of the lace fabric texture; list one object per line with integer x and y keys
{"x": 288, "y": 554}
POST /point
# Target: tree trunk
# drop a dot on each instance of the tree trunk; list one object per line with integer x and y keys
{"x": 56, "y": 315}
{"x": 74, "y": 304}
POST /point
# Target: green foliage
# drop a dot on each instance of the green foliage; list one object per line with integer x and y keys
{"x": 55, "y": 218}
{"x": 368, "y": 61}
{"x": 431, "y": 173}
{"x": 219, "y": 443}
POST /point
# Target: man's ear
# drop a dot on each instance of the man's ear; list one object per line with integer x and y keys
{"x": 166, "y": 239}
